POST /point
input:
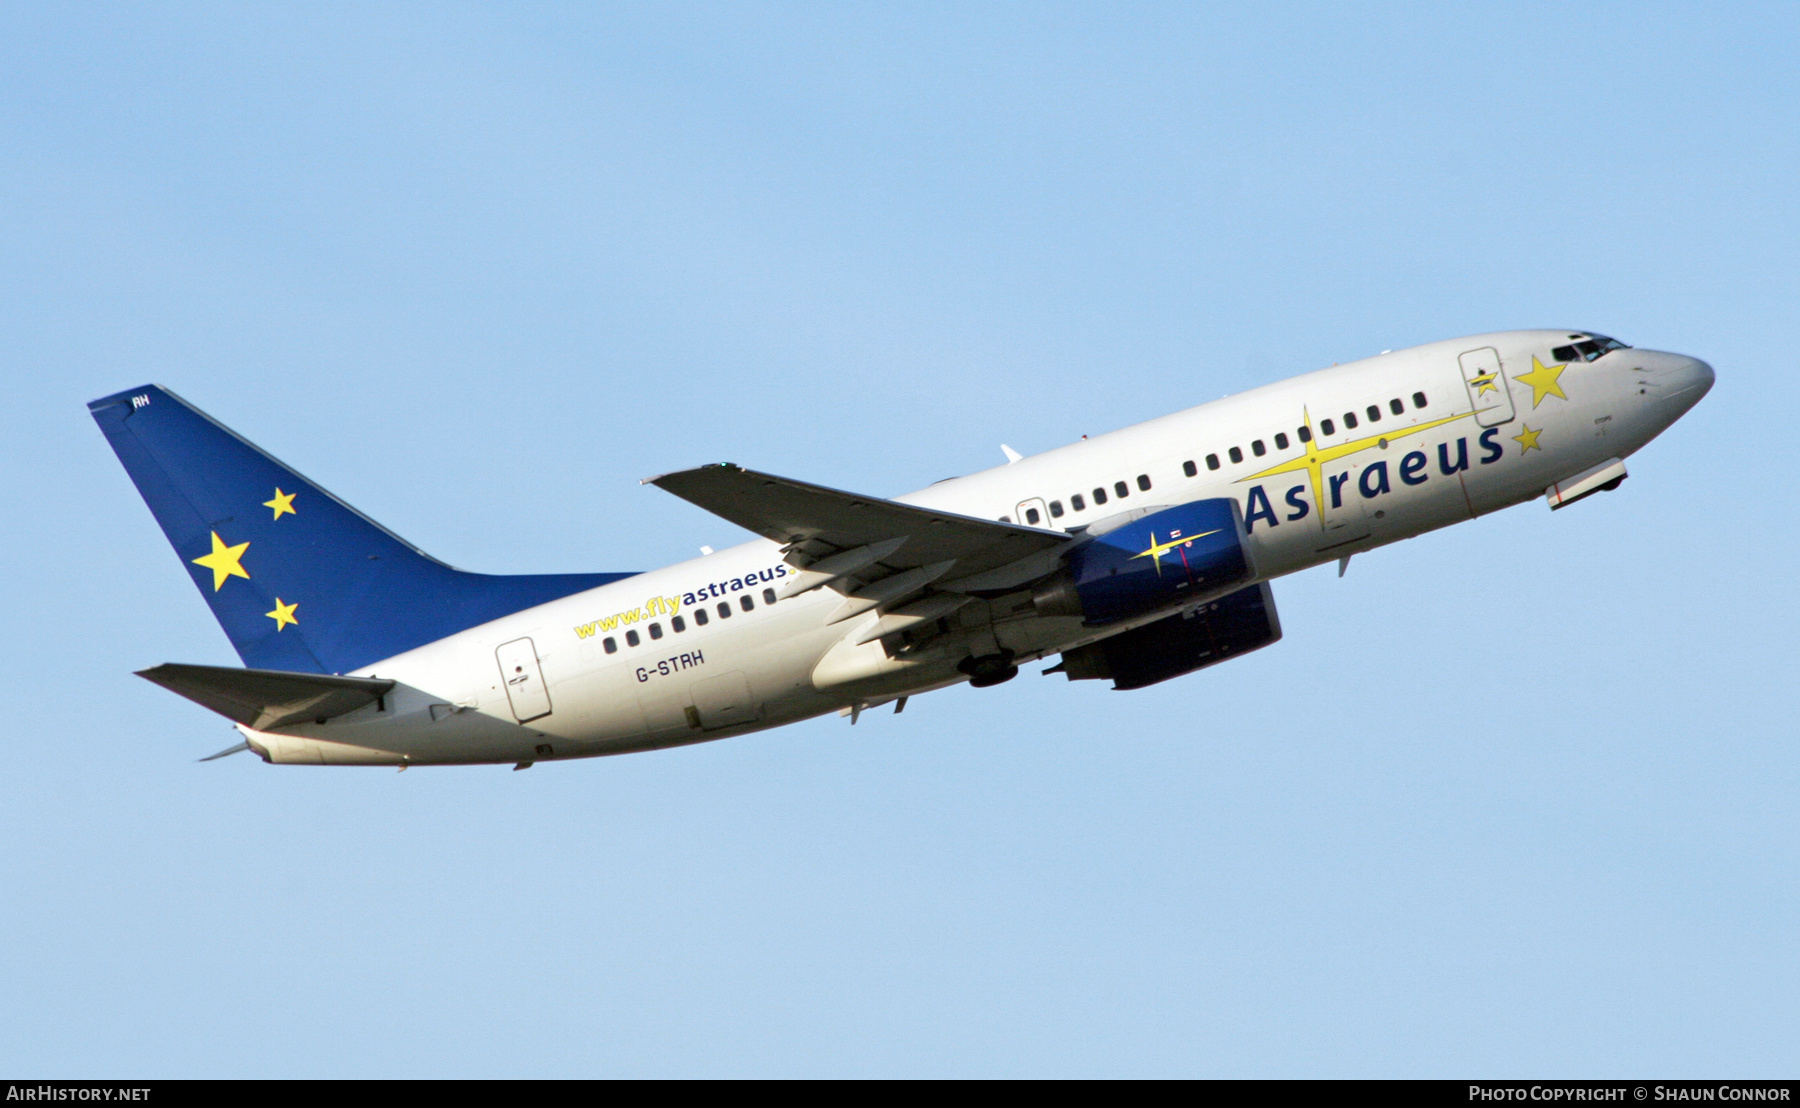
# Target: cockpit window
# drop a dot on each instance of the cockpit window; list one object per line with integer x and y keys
{"x": 1587, "y": 349}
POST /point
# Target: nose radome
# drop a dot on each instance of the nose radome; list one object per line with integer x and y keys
{"x": 1694, "y": 379}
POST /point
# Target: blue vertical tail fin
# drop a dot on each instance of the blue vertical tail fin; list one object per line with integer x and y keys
{"x": 298, "y": 579}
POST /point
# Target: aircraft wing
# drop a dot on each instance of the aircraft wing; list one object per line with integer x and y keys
{"x": 265, "y": 698}
{"x": 820, "y": 521}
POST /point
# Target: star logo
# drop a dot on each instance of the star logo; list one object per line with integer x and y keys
{"x": 1527, "y": 438}
{"x": 1158, "y": 549}
{"x": 223, "y": 561}
{"x": 1544, "y": 381}
{"x": 283, "y": 502}
{"x": 1315, "y": 459}
{"x": 1485, "y": 383}
{"x": 283, "y": 614}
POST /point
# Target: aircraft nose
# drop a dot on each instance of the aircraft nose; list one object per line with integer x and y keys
{"x": 1689, "y": 380}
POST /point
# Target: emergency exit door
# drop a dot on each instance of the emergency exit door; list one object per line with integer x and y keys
{"x": 524, "y": 679}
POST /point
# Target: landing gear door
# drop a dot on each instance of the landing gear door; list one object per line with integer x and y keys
{"x": 1488, "y": 392}
{"x": 1032, "y": 513}
{"x": 524, "y": 679}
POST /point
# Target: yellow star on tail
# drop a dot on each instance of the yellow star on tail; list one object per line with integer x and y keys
{"x": 283, "y": 502}
{"x": 283, "y": 614}
{"x": 223, "y": 561}
{"x": 1527, "y": 438}
{"x": 1543, "y": 380}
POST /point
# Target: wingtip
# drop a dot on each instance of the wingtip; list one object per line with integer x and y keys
{"x": 658, "y": 478}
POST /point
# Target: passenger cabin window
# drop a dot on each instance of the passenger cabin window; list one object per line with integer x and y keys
{"x": 700, "y": 617}
{"x": 1326, "y": 427}
{"x": 1396, "y": 407}
{"x": 1237, "y": 455}
{"x": 1374, "y": 413}
{"x": 1056, "y": 509}
{"x": 1099, "y": 497}
{"x": 1257, "y": 448}
{"x": 1305, "y": 433}
{"x": 1031, "y": 516}
{"x": 1190, "y": 469}
{"x": 1121, "y": 489}
{"x": 678, "y": 624}
{"x": 724, "y": 609}
{"x": 768, "y": 596}
{"x": 611, "y": 644}
{"x": 1078, "y": 503}
{"x": 1143, "y": 482}
{"x": 1281, "y": 440}
{"x": 656, "y": 630}
{"x": 1212, "y": 461}
{"x": 631, "y": 638}
{"x": 1418, "y": 400}
{"x": 1349, "y": 421}
{"x": 746, "y": 603}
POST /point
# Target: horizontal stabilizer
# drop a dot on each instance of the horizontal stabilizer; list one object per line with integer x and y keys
{"x": 794, "y": 513}
{"x": 265, "y": 698}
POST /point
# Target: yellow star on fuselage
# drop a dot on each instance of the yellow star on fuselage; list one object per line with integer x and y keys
{"x": 1527, "y": 439}
{"x": 1158, "y": 549}
{"x": 283, "y": 502}
{"x": 223, "y": 561}
{"x": 1484, "y": 383}
{"x": 1543, "y": 379}
{"x": 283, "y": 614}
{"x": 1315, "y": 459}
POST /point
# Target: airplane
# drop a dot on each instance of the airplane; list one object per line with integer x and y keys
{"x": 1137, "y": 556}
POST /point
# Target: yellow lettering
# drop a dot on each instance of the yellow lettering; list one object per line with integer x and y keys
{"x": 669, "y": 604}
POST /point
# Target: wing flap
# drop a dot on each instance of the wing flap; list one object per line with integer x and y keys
{"x": 795, "y": 513}
{"x": 265, "y": 698}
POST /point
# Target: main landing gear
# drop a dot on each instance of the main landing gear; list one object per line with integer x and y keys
{"x": 990, "y": 669}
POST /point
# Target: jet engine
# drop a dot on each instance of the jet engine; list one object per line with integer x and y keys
{"x": 1175, "y": 555}
{"x": 1224, "y": 628}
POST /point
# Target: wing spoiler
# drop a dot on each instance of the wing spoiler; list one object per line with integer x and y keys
{"x": 818, "y": 521}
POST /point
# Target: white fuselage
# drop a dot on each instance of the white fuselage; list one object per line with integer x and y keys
{"x": 1465, "y": 427}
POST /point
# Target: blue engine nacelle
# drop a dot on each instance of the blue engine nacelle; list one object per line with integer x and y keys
{"x": 1166, "y": 558}
{"x": 1220, "y": 629}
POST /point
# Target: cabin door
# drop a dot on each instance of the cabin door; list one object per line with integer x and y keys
{"x": 1486, "y": 383}
{"x": 524, "y": 679}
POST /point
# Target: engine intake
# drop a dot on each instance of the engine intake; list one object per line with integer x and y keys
{"x": 1177, "y": 555}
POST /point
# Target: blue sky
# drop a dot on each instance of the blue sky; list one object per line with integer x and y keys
{"x": 1517, "y": 797}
